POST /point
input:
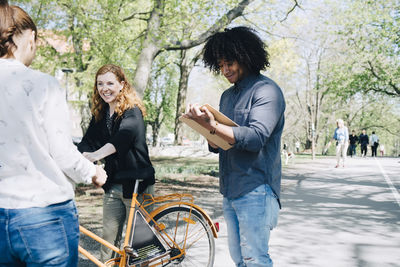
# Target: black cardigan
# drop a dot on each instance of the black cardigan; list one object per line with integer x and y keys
{"x": 131, "y": 161}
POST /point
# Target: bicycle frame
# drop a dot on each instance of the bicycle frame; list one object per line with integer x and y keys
{"x": 170, "y": 201}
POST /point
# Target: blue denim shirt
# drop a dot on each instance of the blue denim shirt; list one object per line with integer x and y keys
{"x": 257, "y": 105}
{"x": 341, "y": 134}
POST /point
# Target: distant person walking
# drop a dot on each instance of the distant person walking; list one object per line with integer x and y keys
{"x": 382, "y": 149}
{"x": 353, "y": 143}
{"x": 364, "y": 141}
{"x": 287, "y": 153}
{"x": 341, "y": 136}
{"x": 297, "y": 144}
{"x": 374, "y": 144}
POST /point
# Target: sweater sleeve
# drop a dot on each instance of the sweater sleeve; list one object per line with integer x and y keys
{"x": 131, "y": 127}
{"x": 57, "y": 128}
{"x": 86, "y": 144}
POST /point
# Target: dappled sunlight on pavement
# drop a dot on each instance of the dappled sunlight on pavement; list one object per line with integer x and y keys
{"x": 344, "y": 217}
{"x": 338, "y": 217}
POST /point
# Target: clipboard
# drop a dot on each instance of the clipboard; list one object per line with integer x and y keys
{"x": 220, "y": 118}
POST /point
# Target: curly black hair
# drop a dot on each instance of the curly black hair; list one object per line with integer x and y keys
{"x": 240, "y": 44}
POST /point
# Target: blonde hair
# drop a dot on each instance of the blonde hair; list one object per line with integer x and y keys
{"x": 340, "y": 122}
{"x": 125, "y": 100}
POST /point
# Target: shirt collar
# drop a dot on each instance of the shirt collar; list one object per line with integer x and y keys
{"x": 243, "y": 84}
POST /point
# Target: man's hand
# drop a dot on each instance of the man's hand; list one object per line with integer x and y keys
{"x": 212, "y": 144}
{"x": 100, "y": 178}
{"x": 205, "y": 118}
{"x": 201, "y": 115}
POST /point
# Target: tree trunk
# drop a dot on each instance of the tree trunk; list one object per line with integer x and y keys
{"x": 143, "y": 69}
{"x": 155, "y": 129}
{"x": 152, "y": 45}
{"x": 313, "y": 148}
{"x": 150, "y": 49}
{"x": 186, "y": 65}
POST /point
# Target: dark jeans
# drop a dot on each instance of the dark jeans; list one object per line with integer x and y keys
{"x": 364, "y": 150}
{"x": 39, "y": 237}
{"x": 352, "y": 149}
{"x": 374, "y": 148}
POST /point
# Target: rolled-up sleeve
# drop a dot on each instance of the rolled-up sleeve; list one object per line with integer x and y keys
{"x": 335, "y": 135}
{"x": 62, "y": 150}
{"x": 266, "y": 110}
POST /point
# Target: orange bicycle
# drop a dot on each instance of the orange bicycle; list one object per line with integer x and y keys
{"x": 176, "y": 233}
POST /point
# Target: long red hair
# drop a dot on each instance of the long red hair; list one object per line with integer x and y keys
{"x": 125, "y": 100}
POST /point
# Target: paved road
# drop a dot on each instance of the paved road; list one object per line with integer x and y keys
{"x": 340, "y": 217}
{"x": 346, "y": 217}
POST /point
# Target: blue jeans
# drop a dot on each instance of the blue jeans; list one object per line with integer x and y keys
{"x": 352, "y": 150}
{"x": 46, "y": 236}
{"x": 250, "y": 219}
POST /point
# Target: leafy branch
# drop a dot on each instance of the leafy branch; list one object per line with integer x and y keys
{"x": 390, "y": 82}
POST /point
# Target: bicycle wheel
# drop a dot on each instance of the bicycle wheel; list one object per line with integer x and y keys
{"x": 199, "y": 242}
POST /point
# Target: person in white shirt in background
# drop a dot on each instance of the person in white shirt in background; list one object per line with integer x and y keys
{"x": 38, "y": 162}
{"x": 382, "y": 149}
{"x": 341, "y": 136}
{"x": 374, "y": 144}
{"x": 297, "y": 144}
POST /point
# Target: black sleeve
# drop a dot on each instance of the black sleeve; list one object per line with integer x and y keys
{"x": 214, "y": 150}
{"x": 87, "y": 142}
{"x": 130, "y": 128}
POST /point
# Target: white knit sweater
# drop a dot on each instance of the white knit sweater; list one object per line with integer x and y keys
{"x": 38, "y": 161}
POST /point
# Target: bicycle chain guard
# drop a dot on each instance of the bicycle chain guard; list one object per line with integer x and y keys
{"x": 145, "y": 244}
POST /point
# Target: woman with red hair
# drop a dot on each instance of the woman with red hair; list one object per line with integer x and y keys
{"x": 117, "y": 134}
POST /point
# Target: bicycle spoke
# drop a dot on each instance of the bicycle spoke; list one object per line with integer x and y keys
{"x": 191, "y": 233}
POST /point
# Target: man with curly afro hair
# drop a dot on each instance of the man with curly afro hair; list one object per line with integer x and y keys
{"x": 250, "y": 171}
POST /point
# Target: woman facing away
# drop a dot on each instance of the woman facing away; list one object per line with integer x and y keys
{"x": 116, "y": 134}
{"x": 38, "y": 161}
